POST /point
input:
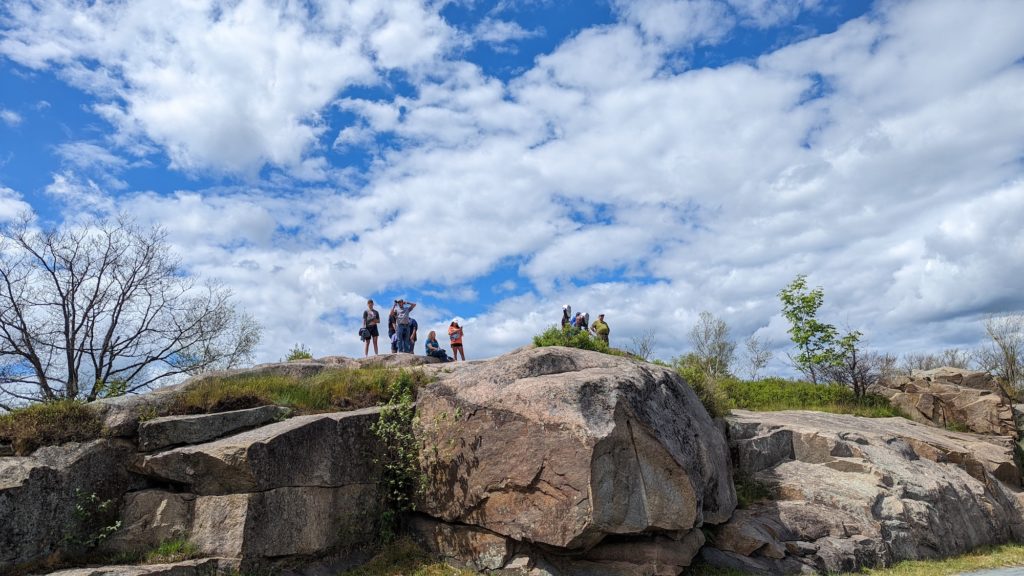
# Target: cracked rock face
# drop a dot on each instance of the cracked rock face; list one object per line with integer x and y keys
{"x": 854, "y": 492}
{"x": 563, "y": 447}
{"x": 951, "y": 396}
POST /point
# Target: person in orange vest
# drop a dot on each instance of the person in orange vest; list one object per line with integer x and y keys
{"x": 455, "y": 334}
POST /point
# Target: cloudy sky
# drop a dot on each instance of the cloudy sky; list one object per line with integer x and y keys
{"x": 493, "y": 160}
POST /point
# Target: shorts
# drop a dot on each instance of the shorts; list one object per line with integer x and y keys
{"x": 373, "y": 331}
{"x": 454, "y": 345}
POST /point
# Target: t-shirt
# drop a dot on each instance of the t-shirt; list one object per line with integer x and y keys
{"x": 432, "y": 343}
{"x": 370, "y": 317}
{"x": 601, "y": 327}
{"x": 403, "y": 313}
{"x": 455, "y": 334}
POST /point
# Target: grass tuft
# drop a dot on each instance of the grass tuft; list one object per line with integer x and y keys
{"x": 331, "y": 390}
{"x": 176, "y": 550}
{"x": 48, "y": 424}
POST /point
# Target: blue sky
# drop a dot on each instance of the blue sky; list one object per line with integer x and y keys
{"x": 648, "y": 159}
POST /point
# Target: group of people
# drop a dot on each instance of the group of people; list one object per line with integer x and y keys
{"x": 581, "y": 321}
{"x": 403, "y": 330}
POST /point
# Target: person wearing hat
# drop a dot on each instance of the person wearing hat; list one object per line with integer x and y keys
{"x": 600, "y": 328}
{"x": 402, "y": 310}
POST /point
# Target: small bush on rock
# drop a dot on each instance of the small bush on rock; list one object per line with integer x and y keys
{"x": 299, "y": 352}
{"x": 401, "y": 479}
{"x": 572, "y": 338}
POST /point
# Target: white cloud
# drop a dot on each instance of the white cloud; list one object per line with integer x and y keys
{"x": 497, "y": 31}
{"x": 679, "y": 23}
{"x": 12, "y": 205}
{"x": 767, "y": 13}
{"x": 10, "y": 117}
{"x": 228, "y": 88}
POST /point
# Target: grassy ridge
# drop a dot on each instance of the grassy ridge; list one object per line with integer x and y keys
{"x": 331, "y": 390}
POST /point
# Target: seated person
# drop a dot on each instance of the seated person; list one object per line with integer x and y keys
{"x": 434, "y": 349}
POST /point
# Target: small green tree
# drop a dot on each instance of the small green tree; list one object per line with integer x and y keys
{"x": 820, "y": 349}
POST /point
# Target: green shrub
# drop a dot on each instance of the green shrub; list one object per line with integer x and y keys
{"x": 48, "y": 424}
{"x": 299, "y": 352}
{"x": 572, "y": 338}
{"x": 708, "y": 390}
{"x": 400, "y": 479}
{"x": 340, "y": 389}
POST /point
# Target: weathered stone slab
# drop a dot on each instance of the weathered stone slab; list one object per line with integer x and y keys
{"x": 38, "y": 495}
{"x": 195, "y": 429}
{"x": 201, "y": 567}
{"x": 562, "y": 447}
{"x": 863, "y": 492}
{"x": 469, "y": 546}
{"x": 283, "y": 522}
{"x": 317, "y": 450}
{"x": 149, "y": 518}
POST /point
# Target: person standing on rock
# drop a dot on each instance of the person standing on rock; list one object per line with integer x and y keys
{"x": 371, "y": 318}
{"x": 600, "y": 328}
{"x": 567, "y": 319}
{"x": 393, "y": 331}
{"x": 455, "y": 334}
{"x": 414, "y": 330}
{"x": 402, "y": 310}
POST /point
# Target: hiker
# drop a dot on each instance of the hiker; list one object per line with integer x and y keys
{"x": 455, "y": 334}
{"x": 402, "y": 309}
{"x": 414, "y": 329}
{"x": 600, "y": 328}
{"x": 434, "y": 349}
{"x": 393, "y": 331}
{"x": 371, "y": 318}
{"x": 567, "y": 319}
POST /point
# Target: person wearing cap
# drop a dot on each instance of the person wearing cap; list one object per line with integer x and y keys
{"x": 402, "y": 310}
{"x": 600, "y": 328}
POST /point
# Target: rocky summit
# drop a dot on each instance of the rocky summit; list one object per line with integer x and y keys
{"x": 545, "y": 461}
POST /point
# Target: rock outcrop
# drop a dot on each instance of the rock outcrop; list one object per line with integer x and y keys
{"x": 545, "y": 461}
{"x": 39, "y": 495}
{"x": 850, "y": 492}
{"x": 952, "y": 397}
{"x": 564, "y": 448}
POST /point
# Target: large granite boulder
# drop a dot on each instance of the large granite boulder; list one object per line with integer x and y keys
{"x": 564, "y": 447}
{"x": 39, "y": 495}
{"x": 850, "y": 492}
{"x": 952, "y": 397}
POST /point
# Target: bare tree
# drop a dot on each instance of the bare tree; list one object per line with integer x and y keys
{"x": 953, "y": 357}
{"x": 643, "y": 345}
{"x": 106, "y": 309}
{"x": 758, "y": 354}
{"x": 712, "y": 346}
{"x": 1004, "y": 355}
